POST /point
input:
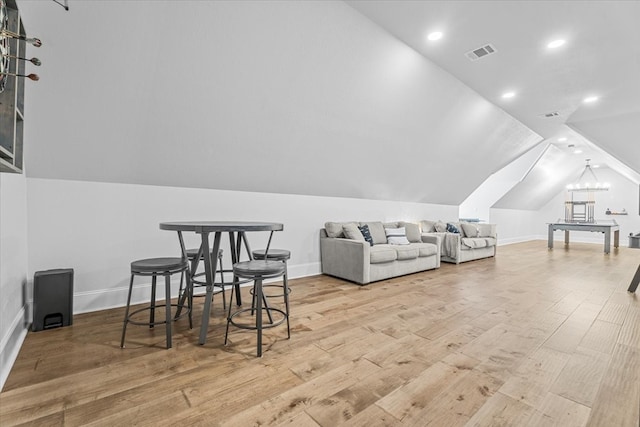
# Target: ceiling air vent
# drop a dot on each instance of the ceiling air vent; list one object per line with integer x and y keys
{"x": 481, "y": 52}
{"x": 550, "y": 115}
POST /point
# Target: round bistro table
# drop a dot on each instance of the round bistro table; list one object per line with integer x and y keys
{"x": 237, "y": 237}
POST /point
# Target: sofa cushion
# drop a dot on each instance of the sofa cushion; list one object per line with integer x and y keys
{"x": 491, "y": 241}
{"x": 451, "y": 228}
{"x": 364, "y": 229}
{"x": 377, "y": 232}
{"x": 397, "y": 236}
{"x": 473, "y": 243}
{"x": 440, "y": 227}
{"x": 470, "y": 230}
{"x": 426, "y": 249}
{"x": 407, "y": 252}
{"x": 382, "y": 253}
{"x": 485, "y": 230}
{"x": 413, "y": 231}
{"x": 352, "y": 232}
{"x": 334, "y": 229}
{"x": 427, "y": 226}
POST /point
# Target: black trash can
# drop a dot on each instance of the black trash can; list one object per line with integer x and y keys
{"x": 52, "y": 299}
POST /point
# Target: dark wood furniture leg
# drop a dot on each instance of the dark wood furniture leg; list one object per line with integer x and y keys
{"x": 635, "y": 281}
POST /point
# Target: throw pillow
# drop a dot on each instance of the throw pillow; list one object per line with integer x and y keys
{"x": 440, "y": 227}
{"x": 396, "y": 236}
{"x": 486, "y": 230}
{"x": 334, "y": 229}
{"x": 452, "y": 228}
{"x": 377, "y": 232}
{"x": 352, "y": 232}
{"x": 470, "y": 230}
{"x": 364, "y": 229}
{"x": 428, "y": 226}
{"x": 413, "y": 232}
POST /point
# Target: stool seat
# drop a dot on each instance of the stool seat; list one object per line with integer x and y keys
{"x": 151, "y": 265}
{"x": 163, "y": 267}
{"x": 274, "y": 254}
{"x": 259, "y": 268}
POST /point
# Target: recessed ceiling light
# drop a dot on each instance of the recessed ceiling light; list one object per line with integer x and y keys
{"x": 590, "y": 99}
{"x": 436, "y": 35}
{"x": 595, "y": 166}
{"x": 577, "y": 152}
{"x": 508, "y": 95}
{"x": 563, "y": 139}
{"x": 556, "y": 43}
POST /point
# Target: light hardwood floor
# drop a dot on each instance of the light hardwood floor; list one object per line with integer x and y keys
{"x": 530, "y": 337}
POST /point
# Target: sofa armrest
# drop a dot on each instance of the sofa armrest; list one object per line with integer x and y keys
{"x": 488, "y": 230}
{"x": 345, "y": 258}
{"x": 431, "y": 238}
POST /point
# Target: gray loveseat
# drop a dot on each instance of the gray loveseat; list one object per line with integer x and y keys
{"x": 346, "y": 254}
{"x": 474, "y": 240}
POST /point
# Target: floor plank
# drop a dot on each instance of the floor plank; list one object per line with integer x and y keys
{"x": 530, "y": 337}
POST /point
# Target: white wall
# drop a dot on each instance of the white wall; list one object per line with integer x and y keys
{"x": 478, "y": 204}
{"x": 14, "y": 313}
{"x": 99, "y": 228}
{"x": 306, "y": 97}
{"x": 623, "y": 194}
{"x": 516, "y": 225}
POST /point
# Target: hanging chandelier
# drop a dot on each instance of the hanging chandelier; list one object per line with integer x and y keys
{"x": 588, "y": 181}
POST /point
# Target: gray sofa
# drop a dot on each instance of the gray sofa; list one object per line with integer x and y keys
{"x": 474, "y": 240}
{"x": 346, "y": 254}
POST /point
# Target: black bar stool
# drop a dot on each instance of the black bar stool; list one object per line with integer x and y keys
{"x": 256, "y": 270}
{"x": 155, "y": 267}
{"x": 282, "y": 255}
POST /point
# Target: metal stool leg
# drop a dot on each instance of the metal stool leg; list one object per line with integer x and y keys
{"x": 190, "y": 299}
{"x": 126, "y": 313}
{"x": 224, "y": 298}
{"x": 258, "y": 289}
{"x": 167, "y": 304}
{"x": 285, "y": 288}
{"x": 226, "y": 333}
{"x": 185, "y": 295}
{"x": 152, "y": 312}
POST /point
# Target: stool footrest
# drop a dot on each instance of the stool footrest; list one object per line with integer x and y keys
{"x": 271, "y": 285}
{"x": 160, "y": 322}
{"x": 253, "y": 327}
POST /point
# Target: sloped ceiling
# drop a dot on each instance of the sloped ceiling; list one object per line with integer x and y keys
{"x": 554, "y": 168}
{"x": 558, "y": 166}
{"x": 286, "y": 97}
{"x": 617, "y": 134}
{"x": 601, "y": 57}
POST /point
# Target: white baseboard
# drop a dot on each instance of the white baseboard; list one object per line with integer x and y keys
{"x": 512, "y": 240}
{"x": 102, "y": 299}
{"x": 304, "y": 270}
{"x": 11, "y": 343}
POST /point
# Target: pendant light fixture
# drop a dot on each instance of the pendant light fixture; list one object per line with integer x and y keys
{"x": 588, "y": 181}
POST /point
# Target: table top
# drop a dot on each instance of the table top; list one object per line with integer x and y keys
{"x": 585, "y": 225}
{"x": 217, "y": 226}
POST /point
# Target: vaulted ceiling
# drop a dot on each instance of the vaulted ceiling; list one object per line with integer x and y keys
{"x": 600, "y": 57}
{"x": 324, "y": 98}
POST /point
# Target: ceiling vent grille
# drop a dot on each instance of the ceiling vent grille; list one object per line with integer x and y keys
{"x": 550, "y": 115}
{"x": 481, "y": 52}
